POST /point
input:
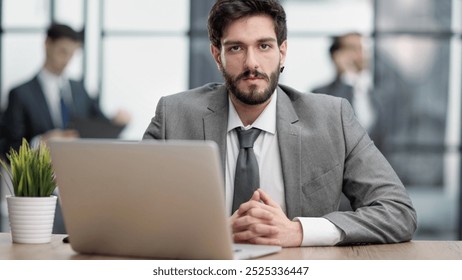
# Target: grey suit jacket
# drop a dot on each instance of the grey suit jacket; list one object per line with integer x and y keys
{"x": 324, "y": 152}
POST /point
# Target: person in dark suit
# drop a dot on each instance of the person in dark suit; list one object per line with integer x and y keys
{"x": 310, "y": 147}
{"x": 42, "y": 107}
{"x": 354, "y": 83}
{"x": 2, "y": 137}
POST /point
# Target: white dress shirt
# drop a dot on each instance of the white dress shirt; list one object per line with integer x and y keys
{"x": 362, "y": 104}
{"x": 53, "y": 86}
{"x": 51, "y": 89}
{"x": 316, "y": 231}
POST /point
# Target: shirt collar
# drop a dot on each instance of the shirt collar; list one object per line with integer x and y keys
{"x": 47, "y": 76}
{"x": 266, "y": 121}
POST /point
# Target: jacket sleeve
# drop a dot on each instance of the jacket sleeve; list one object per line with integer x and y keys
{"x": 383, "y": 211}
{"x": 14, "y": 122}
{"x": 156, "y": 128}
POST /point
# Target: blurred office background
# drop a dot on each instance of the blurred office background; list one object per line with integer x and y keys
{"x": 137, "y": 51}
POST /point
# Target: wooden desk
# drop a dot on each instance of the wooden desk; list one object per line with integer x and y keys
{"x": 414, "y": 250}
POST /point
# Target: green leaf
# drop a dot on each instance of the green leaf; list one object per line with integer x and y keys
{"x": 31, "y": 171}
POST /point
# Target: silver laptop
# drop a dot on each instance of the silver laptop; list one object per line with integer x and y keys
{"x": 149, "y": 199}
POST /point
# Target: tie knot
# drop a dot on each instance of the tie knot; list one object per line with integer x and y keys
{"x": 247, "y": 137}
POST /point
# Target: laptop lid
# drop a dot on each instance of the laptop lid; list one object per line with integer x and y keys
{"x": 150, "y": 199}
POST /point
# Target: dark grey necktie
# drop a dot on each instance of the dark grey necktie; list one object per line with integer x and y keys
{"x": 65, "y": 114}
{"x": 247, "y": 177}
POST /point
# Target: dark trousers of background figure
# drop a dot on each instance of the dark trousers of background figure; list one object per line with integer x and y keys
{"x": 1, "y": 214}
{"x": 58, "y": 225}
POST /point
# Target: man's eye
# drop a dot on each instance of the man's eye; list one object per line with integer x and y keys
{"x": 264, "y": 46}
{"x": 235, "y": 48}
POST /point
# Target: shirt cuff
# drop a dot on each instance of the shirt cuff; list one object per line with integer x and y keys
{"x": 319, "y": 232}
{"x": 35, "y": 141}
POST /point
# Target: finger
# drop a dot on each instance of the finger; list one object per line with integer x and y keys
{"x": 255, "y": 230}
{"x": 260, "y": 240}
{"x": 266, "y": 199}
{"x": 258, "y": 216}
{"x": 242, "y": 224}
{"x": 245, "y": 207}
{"x": 261, "y": 213}
{"x": 255, "y": 196}
{"x": 244, "y": 236}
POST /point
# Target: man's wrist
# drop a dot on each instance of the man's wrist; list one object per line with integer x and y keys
{"x": 298, "y": 234}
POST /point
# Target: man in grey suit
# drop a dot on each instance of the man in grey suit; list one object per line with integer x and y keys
{"x": 310, "y": 149}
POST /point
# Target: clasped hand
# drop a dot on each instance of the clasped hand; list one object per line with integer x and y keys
{"x": 262, "y": 221}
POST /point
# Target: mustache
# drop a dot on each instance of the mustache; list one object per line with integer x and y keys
{"x": 255, "y": 73}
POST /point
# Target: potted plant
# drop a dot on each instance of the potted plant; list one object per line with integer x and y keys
{"x": 31, "y": 205}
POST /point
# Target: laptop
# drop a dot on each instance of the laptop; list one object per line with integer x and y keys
{"x": 149, "y": 199}
{"x": 95, "y": 128}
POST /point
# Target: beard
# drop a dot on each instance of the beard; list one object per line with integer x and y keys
{"x": 252, "y": 96}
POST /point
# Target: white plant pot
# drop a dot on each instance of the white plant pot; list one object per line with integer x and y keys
{"x": 31, "y": 218}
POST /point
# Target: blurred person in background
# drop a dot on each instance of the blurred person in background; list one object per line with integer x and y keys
{"x": 353, "y": 81}
{"x": 43, "y": 107}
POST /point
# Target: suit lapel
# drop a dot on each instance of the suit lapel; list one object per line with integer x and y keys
{"x": 290, "y": 149}
{"x": 216, "y": 121}
{"x": 76, "y": 107}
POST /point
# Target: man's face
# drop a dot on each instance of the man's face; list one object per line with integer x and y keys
{"x": 58, "y": 54}
{"x": 353, "y": 46}
{"x": 250, "y": 59}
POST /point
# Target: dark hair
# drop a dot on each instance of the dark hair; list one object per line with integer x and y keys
{"x": 224, "y": 12}
{"x": 337, "y": 42}
{"x": 58, "y": 31}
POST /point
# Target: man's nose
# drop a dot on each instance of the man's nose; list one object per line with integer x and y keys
{"x": 251, "y": 59}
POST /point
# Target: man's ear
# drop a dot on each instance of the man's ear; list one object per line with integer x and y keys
{"x": 216, "y": 56}
{"x": 283, "y": 52}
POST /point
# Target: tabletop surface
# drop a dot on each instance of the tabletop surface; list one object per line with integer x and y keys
{"x": 414, "y": 250}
